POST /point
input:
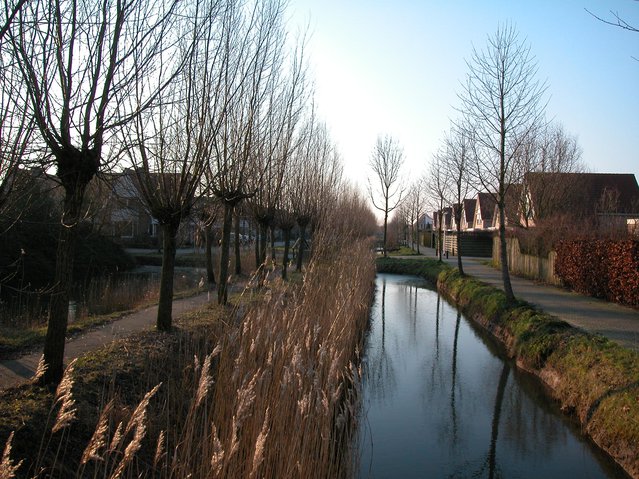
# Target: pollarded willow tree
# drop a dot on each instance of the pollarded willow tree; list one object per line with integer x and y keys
{"x": 503, "y": 105}
{"x": 277, "y": 141}
{"x": 316, "y": 173}
{"x": 254, "y": 40}
{"x": 385, "y": 189}
{"x": 170, "y": 143}
{"x": 81, "y": 62}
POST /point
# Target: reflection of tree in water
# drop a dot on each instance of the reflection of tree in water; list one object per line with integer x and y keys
{"x": 381, "y": 375}
{"x": 490, "y": 464}
{"x": 453, "y": 411}
{"x": 435, "y": 366}
{"x": 410, "y": 292}
{"x": 529, "y": 423}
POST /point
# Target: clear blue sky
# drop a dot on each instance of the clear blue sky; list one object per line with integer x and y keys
{"x": 395, "y": 67}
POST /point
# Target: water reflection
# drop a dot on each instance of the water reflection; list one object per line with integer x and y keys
{"x": 438, "y": 401}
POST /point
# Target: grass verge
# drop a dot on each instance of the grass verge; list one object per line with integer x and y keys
{"x": 593, "y": 378}
{"x": 17, "y": 341}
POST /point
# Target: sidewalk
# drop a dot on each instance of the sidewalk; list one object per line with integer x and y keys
{"x": 618, "y": 323}
{"x": 14, "y": 372}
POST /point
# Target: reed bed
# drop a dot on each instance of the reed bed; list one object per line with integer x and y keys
{"x": 285, "y": 397}
{"x": 269, "y": 391}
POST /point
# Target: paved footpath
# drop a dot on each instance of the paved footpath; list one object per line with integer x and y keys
{"x": 14, "y": 372}
{"x": 619, "y": 323}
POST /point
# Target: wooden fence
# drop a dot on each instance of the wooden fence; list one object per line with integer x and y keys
{"x": 529, "y": 266}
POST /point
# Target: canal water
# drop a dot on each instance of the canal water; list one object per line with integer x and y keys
{"x": 439, "y": 400}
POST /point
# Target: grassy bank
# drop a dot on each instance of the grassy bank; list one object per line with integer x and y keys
{"x": 593, "y": 378}
{"x": 103, "y": 301}
{"x": 261, "y": 388}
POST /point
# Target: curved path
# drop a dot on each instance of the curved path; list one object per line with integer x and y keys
{"x": 14, "y": 372}
{"x": 616, "y": 322}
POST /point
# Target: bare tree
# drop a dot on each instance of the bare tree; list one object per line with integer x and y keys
{"x": 80, "y": 63}
{"x": 16, "y": 130}
{"x": 207, "y": 212}
{"x": 438, "y": 187}
{"x": 316, "y": 172}
{"x": 503, "y": 104}
{"x": 9, "y": 12}
{"x": 553, "y": 150}
{"x": 415, "y": 199}
{"x": 16, "y": 127}
{"x": 617, "y": 21}
{"x": 171, "y": 143}
{"x": 386, "y": 162}
{"x": 254, "y": 39}
{"x": 457, "y": 160}
{"x": 278, "y": 140}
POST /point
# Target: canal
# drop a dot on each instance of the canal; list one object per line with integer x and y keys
{"x": 439, "y": 399}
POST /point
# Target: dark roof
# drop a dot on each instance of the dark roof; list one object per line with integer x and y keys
{"x": 469, "y": 209}
{"x": 448, "y": 214}
{"x": 456, "y": 208}
{"x": 513, "y": 201}
{"x": 486, "y": 205}
{"x": 582, "y": 194}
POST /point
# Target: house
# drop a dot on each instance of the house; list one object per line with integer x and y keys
{"x": 512, "y": 207}
{"x": 484, "y": 211}
{"x": 122, "y": 214}
{"x": 595, "y": 198}
{"x": 425, "y": 222}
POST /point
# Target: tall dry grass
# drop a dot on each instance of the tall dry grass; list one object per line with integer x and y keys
{"x": 275, "y": 397}
{"x": 285, "y": 392}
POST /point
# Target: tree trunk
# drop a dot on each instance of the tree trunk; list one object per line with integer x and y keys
{"x": 263, "y": 243}
{"x": 385, "y": 232}
{"x": 417, "y": 238}
{"x": 208, "y": 240}
{"x": 503, "y": 253}
{"x": 272, "y": 229}
{"x": 236, "y": 245}
{"x": 165, "y": 303}
{"x": 287, "y": 242}
{"x": 222, "y": 289}
{"x": 75, "y": 169}
{"x": 459, "y": 241}
{"x": 440, "y": 236}
{"x": 499, "y": 399}
{"x": 59, "y": 307}
{"x": 302, "y": 245}
{"x": 257, "y": 247}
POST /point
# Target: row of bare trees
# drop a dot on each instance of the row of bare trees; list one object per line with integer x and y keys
{"x": 500, "y": 136}
{"x": 205, "y": 100}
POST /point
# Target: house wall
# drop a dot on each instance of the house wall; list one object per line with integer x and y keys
{"x": 529, "y": 266}
{"x": 426, "y": 238}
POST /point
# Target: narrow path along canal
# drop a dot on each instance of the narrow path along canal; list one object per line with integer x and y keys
{"x": 440, "y": 400}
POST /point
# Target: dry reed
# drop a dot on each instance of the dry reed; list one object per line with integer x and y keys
{"x": 276, "y": 398}
{"x": 7, "y": 467}
{"x": 64, "y": 396}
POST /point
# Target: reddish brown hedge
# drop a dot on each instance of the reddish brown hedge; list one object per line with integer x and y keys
{"x": 607, "y": 269}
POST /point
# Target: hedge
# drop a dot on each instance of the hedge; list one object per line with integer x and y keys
{"x": 606, "y": 269}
